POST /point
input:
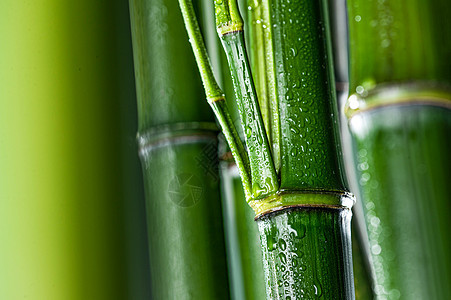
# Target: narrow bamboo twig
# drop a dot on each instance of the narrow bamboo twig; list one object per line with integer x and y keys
{"x": 215, "y": 95}
{"x": 262, "y": 65}
{"x": 230, "y": 29}
{"x": 244, "y": 255}
{"x": 263, "y": 180}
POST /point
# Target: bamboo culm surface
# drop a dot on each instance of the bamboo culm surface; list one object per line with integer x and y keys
{"x": 178, "y": 149}
{"x": 399, "y": 112}
{"x": 304, "y": 224}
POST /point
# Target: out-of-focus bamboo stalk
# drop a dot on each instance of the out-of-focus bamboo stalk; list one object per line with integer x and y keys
{"x": 178, "y": 149}
{"x": 61, "y": 194}
{"x": 362, "y": 267}
{"x": 399, "y": 112}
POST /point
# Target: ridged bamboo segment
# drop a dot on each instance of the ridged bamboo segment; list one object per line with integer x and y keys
{"x": 294, "y": 241}
{"x": 400, "y": 117}
{"x": 324, "y": 199}
{"x": 404, "y": 169}
{"x": 303, "y": 251}
{"x": 61, "y": 231}
{"x": 177, "y": 136}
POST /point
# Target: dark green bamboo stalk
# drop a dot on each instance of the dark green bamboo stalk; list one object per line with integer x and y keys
{"x": 305, "y": 225}
{"x": 178, "y": 144}
{"x": 400, "y": 117}
{"x": 325, "y": 200}
{"x": 291, "y": 247}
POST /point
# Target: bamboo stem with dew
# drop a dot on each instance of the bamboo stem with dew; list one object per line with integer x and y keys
{"x": 304, "y": 215}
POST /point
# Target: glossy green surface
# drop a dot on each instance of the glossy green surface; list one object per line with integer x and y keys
{"x": 292, "y": 72}
{"x": 243, "y": 239}
{"x": 399, "y": 62}
{"x": 308, "y": 121}
{"x": 404, "y": 168}
{"x": 187, "y": 251}
{"x": 399, "y": 40}
{"x": 164, "y": 66}
{"x": 260, "y": 50}
{"x": 186, "y": 240}
{"x": 292, "y": 242}
{"x": 264, "y": 179}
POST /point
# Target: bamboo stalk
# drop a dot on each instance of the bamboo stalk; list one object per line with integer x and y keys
{"x": 243, "y": 239}
{"x": 316, "y": 203}
{"x": 178, "y": 149}
{"x": 399, "y": 114}
{"x": 308, "y": 277}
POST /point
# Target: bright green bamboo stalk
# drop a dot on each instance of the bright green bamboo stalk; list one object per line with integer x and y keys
{"x": 230, "y": 29}
{"x": 399, "y": 110}
{"x": 178, "y": 148}
{"x": 242, "y": 237}
{"x": 262, "y": 63}
{"x": 215, "y": 95}
{"x": 304, "y": 224}
{"x": 305, "y": 227}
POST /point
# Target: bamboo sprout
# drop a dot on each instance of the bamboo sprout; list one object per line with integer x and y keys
{"x": 178, "y": 149}
{"x": 399, "y": 114}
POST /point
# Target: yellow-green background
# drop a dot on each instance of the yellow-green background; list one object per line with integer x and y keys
{"x": 71, "y": 207}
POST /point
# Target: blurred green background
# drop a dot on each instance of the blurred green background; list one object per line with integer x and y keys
{"x": 71, "y": 199}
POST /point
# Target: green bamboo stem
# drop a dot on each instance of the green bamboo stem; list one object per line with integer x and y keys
{"x": 306, "y": 252}
{"x": 230, "y": 29}
{"x": 399, "y": 114}
{"x": 262, "y": 64}
{"x": 244, "y": 253}
{"x": 215, "y": 96}
{"x": 319, "y": 194}
{"x": 306, "y": 98}
{"x": 310, "y": 170}
{"x": 178, "y": 144}
{"x": 264, "y": 178}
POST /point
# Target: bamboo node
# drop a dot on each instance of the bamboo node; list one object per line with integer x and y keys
{"x": 302, "y": 199}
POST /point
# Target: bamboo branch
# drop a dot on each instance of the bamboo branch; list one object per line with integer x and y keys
{"x": 215, "y": 95}
{"x": 263, "y": 174}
